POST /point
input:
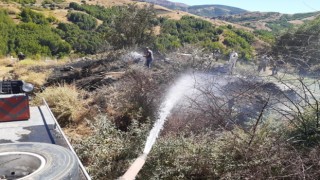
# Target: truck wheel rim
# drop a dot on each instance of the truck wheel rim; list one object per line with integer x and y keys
{"x": 15, "y": 165}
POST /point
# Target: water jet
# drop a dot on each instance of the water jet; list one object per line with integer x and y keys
{"x": 178, "y": 90}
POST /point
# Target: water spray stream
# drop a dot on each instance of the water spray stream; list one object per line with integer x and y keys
{"x": 184, "y": 85}
{"x": 176, "y": 92}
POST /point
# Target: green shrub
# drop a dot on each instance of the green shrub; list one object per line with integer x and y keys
{"x": 266, "y": 36}
{"x": 191, "y": 30}
{"x": 84, "y": 21}
{"x": 87, "y": 42}
{"x": 27, "y": 15}
{"x": 305, "y": 128}
{"x": 6, "y": 27}
{"x": 25, "y": 1}
{"x": 207, "y": 156}
{"x": 109, "y": 152}
{"x": 30, "y": 38}
{"x": 97, "y": 11}
{"x": 228, "y": 154}
{"x": 241, "y": 45}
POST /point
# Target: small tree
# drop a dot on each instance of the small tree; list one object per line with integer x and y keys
{"x": 132, "y": 26}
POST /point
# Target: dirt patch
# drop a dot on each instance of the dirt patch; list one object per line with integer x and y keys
{"x": 157, "y": 30}
{"x": 59, "y": 14}
{"x": 297, "y": 22}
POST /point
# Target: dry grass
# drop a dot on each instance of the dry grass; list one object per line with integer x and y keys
{"x": 33, "y": 71}
{"x": 78, "y": 132}
{"x": 66, "y": 102}
{"x": 5, "y": 67}
{"x": 59, "y": 14}
{"x": 37, "y": 79}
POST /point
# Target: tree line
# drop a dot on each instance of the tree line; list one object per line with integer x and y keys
{"x": 121, "y": 27}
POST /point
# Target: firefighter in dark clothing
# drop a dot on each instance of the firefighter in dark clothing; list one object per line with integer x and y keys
{"x": 149, "y": 57}
{"x": 21, "y": 56}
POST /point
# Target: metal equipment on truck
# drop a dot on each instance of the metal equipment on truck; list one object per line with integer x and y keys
{"x": 32, "y": 144}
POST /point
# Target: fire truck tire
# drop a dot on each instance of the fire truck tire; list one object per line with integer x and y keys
{"x": 33, "y": 161}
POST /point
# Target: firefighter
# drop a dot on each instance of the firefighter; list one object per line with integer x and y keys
{"x": 149, "y": 57}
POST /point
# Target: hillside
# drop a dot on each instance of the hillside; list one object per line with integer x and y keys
{"x": 74, "y": 27}
{"x": 200, "y": 10}
{"x": 271, "y": 21}
{"x": 215, "y": 10}
{"x": 168, "y": 4}
{"x": 60, "y": 11}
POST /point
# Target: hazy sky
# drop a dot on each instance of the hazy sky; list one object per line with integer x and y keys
{"x": 282, "y": 6}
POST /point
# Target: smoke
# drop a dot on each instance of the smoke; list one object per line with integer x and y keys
{"x": 133, "y": 56}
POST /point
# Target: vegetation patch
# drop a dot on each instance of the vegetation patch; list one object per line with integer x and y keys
{"x": 66, "y": 103}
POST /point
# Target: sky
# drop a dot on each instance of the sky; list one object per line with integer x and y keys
{"x": 282, "y": 6}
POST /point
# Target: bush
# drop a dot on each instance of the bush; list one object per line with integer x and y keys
{"x": 236, "y": 153}
{"x": 266, "y": 36}
{"x": 97, "y": 11}
{"x": 305, "y": 129}
{"x": 109, "y": 152}
{"x": 207, "y": 156}
{"x": 137, "y": 92}
{"x": 7, "y": 25}
{"x": 191, "y": 30}
{"x": 239, "y": 43}
{"x": 25, "y": 1}
{"x": 300, "y": 46}
{"x": 33, "y": 37}
{"x": 87, "y": 42}
{"x": 84, "y": 21}
{"x": 27, "y": 15}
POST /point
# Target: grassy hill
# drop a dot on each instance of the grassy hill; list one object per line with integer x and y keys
{"x": 271, "y": 21}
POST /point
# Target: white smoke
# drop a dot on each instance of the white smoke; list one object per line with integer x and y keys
{"x": 133, "y": 56}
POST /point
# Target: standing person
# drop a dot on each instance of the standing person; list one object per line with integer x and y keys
{"x": 271, "y": 63}
{"x": 149, "y": 57}
{"x": 21, "y": 56}
{"x": 232, "y": 60}
{"x": 216, "y": 54}
{"x": 265, "y": 60}
{"x": 274, "y": 67}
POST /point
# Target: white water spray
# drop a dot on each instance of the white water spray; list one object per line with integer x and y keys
{"x": 176, "y": 92}
{"x": 182, "y": 87}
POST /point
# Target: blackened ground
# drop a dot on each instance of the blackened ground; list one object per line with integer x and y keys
{"x": 88, "y": 74}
